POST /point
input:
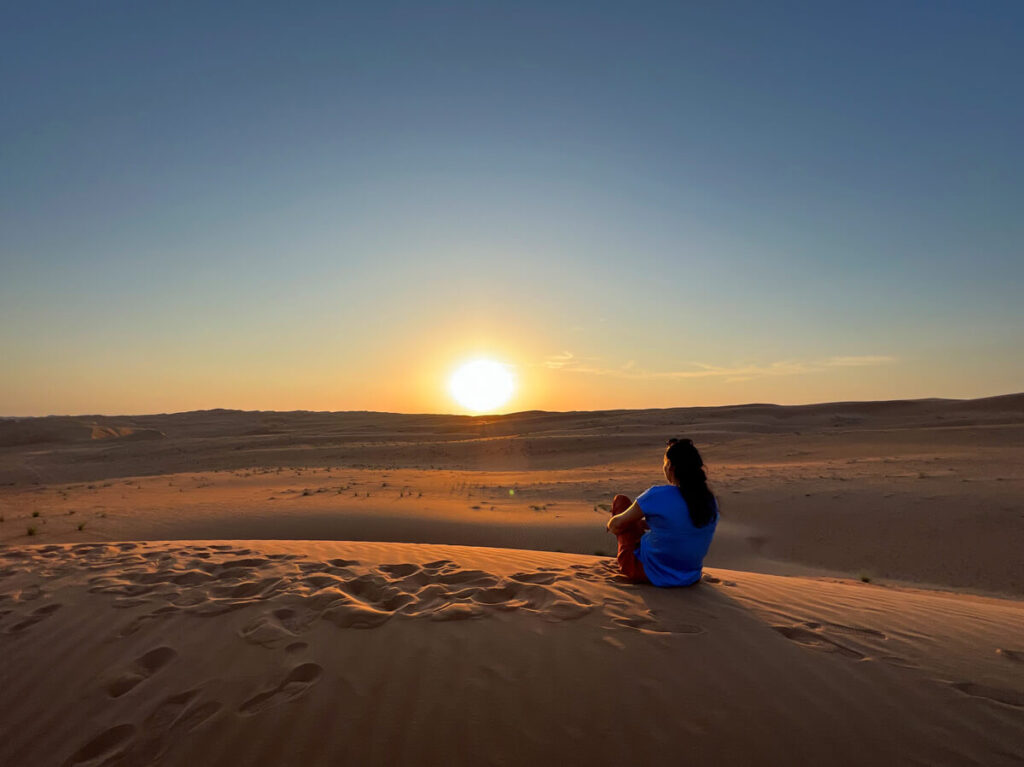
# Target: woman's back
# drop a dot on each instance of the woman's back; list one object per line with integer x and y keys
{"x": 672, "y": 551}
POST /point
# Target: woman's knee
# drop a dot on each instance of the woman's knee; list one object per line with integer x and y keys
{"x": 620, "y": 503}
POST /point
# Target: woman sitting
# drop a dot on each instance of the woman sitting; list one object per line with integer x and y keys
{"x": 664, "y": 534}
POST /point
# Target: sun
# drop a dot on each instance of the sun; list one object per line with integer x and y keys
{"x": 482, "y": 385}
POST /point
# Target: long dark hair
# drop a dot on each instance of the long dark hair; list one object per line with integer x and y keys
{"x": 688, "y": 469}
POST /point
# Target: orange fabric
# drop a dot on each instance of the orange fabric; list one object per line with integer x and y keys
{"x": 629, "y": 539}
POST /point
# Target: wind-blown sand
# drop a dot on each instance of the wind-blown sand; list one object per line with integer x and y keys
{"x": 177, "y": 628}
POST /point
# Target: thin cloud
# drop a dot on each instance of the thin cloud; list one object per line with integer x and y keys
{"x": 856, "y": 362}
{"x": 566, "y": 361}
{"x": 559, "y": 361}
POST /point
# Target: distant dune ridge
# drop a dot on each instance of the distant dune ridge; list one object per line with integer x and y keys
{"x": 66, "y": 430}
{"x": 272, "y": 429}
{"x": 227, "y": 587}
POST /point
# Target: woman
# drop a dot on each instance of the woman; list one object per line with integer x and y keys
{"x": 679, "y": 519}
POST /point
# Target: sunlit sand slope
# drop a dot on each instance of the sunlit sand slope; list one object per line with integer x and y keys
{"x": 299, "y": 653}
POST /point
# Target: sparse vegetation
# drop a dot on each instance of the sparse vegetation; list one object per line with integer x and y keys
{"x": 865, "y": 578}
{"x": 81, "y": 525}
{"x": 31, "y": 530}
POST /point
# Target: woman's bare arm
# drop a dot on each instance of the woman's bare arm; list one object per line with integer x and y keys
{"x": 620, "y": 521}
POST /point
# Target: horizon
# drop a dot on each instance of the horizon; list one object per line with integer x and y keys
{"x": 518, "y": 412}
{"x": 335, "y": 210}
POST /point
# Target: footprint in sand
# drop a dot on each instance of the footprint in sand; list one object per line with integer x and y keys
{"x": 266, "y": 632}
{"x": 998, "y": 694}
{"x": 715, "y": 580}
{"x": 107, "y": 744}
{"x": 496, "y": 595}
{"x": 438, "y": 564}
{"x": 399, "y": 570}
{"x": 142, "y": 669}
{"x": 541, "y": 578}
{"x": 343, "y": 562}
{"x": 1015, "y": 656}
{"x": 136, "y": 624}
{"x": 172, "y": 717}
{"x": 456, "y": 611}
{"x": 356, "y": 615}
{"x": 124, "y": 603}
{"x": 299, "y": 679}
{"x": 565, "y": 610}
{"x": 648, "y": 624}
{"x": 29, "y": 593}
{"x": 813, "y": 639}
{"x": 276, "y": 627}
{"x": 859, "y": 630}
{"x": 168, "y": 710}
{"x": 40, "y": 613}
{"x": 896, "y": 660}
{"x": 468, "y": 578}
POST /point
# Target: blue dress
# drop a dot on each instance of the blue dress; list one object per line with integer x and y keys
{"x": 673, "y": 550}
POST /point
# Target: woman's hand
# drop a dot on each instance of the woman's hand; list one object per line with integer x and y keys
{"x": 630, "y": 516}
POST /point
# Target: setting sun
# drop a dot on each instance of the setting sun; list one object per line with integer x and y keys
{"x": 482, "y": 385}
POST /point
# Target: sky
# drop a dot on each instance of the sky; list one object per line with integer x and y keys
{"x": 330, "y": 206}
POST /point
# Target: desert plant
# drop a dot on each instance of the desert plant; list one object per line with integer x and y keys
{"x": 31, "y": 530}
{"x": 81, "y": 525}
{"x": 35, "y": 513}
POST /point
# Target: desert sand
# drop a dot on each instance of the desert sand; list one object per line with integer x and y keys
{"x": 223, "y": 587}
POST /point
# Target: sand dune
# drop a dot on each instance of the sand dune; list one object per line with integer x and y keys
{"x": 174, "y": 589}
{"x": 925, "y": 492}
{"x": 231, "y": 439}
{"x": 275, "y": 653}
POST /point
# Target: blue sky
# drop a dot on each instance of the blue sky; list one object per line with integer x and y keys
{"x": 329, "y": 206}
